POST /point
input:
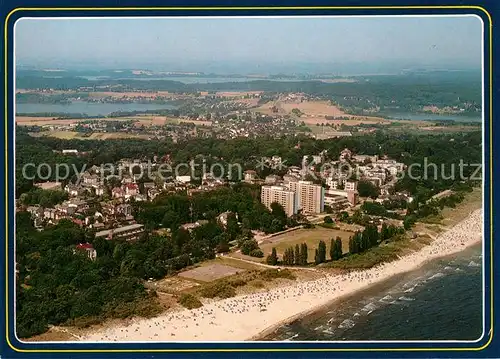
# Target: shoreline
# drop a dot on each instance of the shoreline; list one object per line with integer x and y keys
{"x": 253, "y": 316}
{"x": 266, "y": 332}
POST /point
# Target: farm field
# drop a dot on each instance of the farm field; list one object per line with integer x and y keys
{"x": 46, "y": 121}
{"x": 314, "y": 112}
{"x": 150, "y": 94}
{"x": 143, "y": 120}
{"x": 70, "y": 135}
{"x": 236, "y": 93}
{"x": 163, "y": 120}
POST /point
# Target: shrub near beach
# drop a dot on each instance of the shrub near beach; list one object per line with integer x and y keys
{"x": 189, "y": 301}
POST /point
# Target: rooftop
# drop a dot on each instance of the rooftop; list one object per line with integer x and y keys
{"x": 119, "y": 230}
{"x": 84, "y": 246}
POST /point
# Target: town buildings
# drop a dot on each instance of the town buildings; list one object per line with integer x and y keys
{"x": 128, "y": 233}
{"x": 52, "y": 186}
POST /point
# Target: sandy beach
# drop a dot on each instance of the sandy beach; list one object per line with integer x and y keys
{"x": 248, "y": 316}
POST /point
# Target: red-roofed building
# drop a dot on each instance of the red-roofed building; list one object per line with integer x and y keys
{"x": 91, "y": 252}
{"x": 117, "y": 192}
{"x": 77, "y": 221}
{"x": 131, "y": 189}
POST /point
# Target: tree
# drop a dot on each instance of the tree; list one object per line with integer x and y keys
{"x": 384, "y": 232}
{"x": 357, "y": 217}
{"x": 278, "y": 211}
{"x": 222, "y": 246}
{"x": 292, "y": 256}
{"x": 233, "y": 229}
{"x": 297, "y": 255}
{"x": 343, "y": 216}
{"x": 370, "y": 236}
{"x": 317, "y": 258}
{"x": 336, "y": 248}
{"x": 328, "y": 219}
{"x": 355, "y": 243}
{"x": 248, "y": 246}
{"x": 364, "y": 242}
{"x": 257, "y": 253}
{"x": 181, "y": 237}
{"x": 321, "y": 252}
{"x": 288, "y": 257}
{"x": 303, "y": 254}
{"x": 374, "y": 208}
{"x": 272, "y": 259}
{"x": 409, "y": 221}
{"x": 367, "y": 189}
{"x": 338, "y": 242}
{"x": 284, "y": 259}
{"x": 171, "y": 220}
{"x": 333, "y": 249}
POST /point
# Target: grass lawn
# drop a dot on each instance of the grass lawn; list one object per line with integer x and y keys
{"x": 381, "y": 254}
{"x": 310, "y": 236}
{"x": 228, "y": 261}
{"x": 471, "y": 202}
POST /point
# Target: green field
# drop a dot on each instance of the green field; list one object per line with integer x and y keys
{"x": 310, "y": 236}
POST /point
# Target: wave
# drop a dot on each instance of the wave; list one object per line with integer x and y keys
{"x": 370, "y": 307}
{"x": 409, "y": 284}
{"x": 292, "y": 337}
{"x": 474, "y": 264}
{"x": 437, "y": 275}
{"x": 406, "y": 299}
{"x": 387, "y": 300}
{"x": 347, "y": 324}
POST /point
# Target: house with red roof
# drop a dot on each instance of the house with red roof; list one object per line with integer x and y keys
{"x": 131, "y": 189}
{"x": 117, "y": 192}
{"x": 89, "y": 249}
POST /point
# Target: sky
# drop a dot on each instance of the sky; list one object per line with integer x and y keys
{"x": 197, "y": 44}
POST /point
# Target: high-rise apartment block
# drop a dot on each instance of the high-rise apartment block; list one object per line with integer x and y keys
{"x": 282, "y": 195}
{"x": 310, "y": 196}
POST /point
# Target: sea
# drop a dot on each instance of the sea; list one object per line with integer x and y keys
{"x": 442, "y": 300}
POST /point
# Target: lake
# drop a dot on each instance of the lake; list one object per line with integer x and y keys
{"x": 430, "y": 116}
{"x": 88, "y": 108}
{"x": 194, "y": 79}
